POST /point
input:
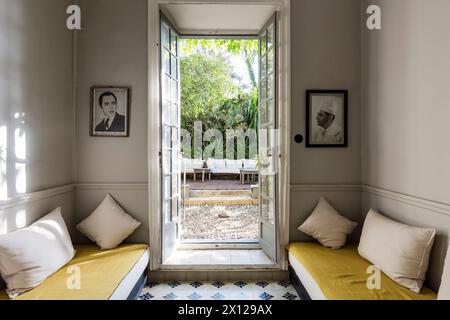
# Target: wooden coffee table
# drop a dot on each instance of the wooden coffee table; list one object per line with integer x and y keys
{"x": 250, "y": 173}
{"x": 203, "y": 172}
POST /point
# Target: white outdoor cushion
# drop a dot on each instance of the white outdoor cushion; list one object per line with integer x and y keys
{"x": 220, "y": 164}
{"x": 108, "y": 225}
{"x": 226, "y": 171}
{"x": 401, "y": 251}
{"x": 191, "y": 164}
{"x": 444, "y": 290}
{"x": 328, "y": 226}
{"x": 210, "y": 163}
{"x": 196, "y": 163}
{"x": 234, "y": 164}
{"x": 249, "y": 164}
{"x": 29, "y": 255}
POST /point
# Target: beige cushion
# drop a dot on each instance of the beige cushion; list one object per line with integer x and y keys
{"x": 444, "y": 290}
{"x": 108, "y": 225}
{"x": 328, "y": 226}
{"x": 399, "y": 250}
{"x": 29, "y": 255}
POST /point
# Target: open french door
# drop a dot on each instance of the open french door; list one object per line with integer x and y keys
{"x": 268, "y": 152}
{"x": 170, "y": 136}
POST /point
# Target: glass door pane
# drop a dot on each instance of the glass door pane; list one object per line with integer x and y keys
{"x": 268, "y": 154}
{"x": 170, "y": 131}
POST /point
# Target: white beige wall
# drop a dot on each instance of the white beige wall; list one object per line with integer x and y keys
{"x": 36, "y": 84}
{"x": 36, "y": 112}
{"x": 112, "y": 51}
{"x": 325, "y": 55}
{"x": 406, "y": 144}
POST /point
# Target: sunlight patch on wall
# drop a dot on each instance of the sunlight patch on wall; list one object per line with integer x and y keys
{"x": 21, "y": 178}
{"x": 3, "y": 226}
{"x": 21, "y": 219}
{"x": 3, "y": 154}
{"x": 20, "y": 140}
{"x": 20, "y": 154}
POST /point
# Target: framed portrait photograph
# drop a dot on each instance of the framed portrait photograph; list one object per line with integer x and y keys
{"x": 110, "y": 112}
{"x": 326, "y": 118}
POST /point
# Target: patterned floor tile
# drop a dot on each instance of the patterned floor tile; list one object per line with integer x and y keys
{"x": 218, "y": 296}
{"x": 170, "y": 296}
{"x": 194, "y": 296}
{"x": 219, "y": 290}
{"x": 218, "y": 284}
{"x": 266, "y": 296}
{"x": 289, "y": 296}
{"x": 284, "y": 284}
{"x": 262, "y": 284}
{"x": 240, "y": 284}
{"x": 196, "y": 284}
{"x": 174, "y": 284}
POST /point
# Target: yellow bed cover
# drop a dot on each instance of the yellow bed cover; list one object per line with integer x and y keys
{"x": 101, "y": 272}
{"x": 342, "y": 274}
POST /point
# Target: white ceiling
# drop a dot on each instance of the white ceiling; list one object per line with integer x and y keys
{"x": 219, "y": 18}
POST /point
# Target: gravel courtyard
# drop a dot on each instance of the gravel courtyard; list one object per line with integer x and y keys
{"x": 204, "y": 223}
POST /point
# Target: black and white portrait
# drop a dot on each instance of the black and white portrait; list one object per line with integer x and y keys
{"x": 326, "y": 118}
{"x": 109, "y": 111}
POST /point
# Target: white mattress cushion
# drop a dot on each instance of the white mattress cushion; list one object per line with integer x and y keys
{"x": 401, "y": 251}
{"x": 29, "y": 255}
{"x": 308, "y": 282}
{"x": 328, "y": 226}
{"x": 444, "y": 290}
{"x": 108, "y": 225}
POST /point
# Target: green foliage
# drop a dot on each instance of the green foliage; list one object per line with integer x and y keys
{"x": 209, "y": 91}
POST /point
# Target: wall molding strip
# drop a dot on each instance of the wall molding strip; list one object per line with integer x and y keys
{"x": 325, "y": 187}
{"x": 427, "y": 204}
{"x": 431, "y": 205}
{"x": 112, "y": 186}
{"x": 36, "y": 196}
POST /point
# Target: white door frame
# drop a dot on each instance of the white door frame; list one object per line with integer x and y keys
{"x": 284, "y": 111}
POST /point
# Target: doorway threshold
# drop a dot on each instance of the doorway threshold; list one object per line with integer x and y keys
{"x": 219, "y": 245}
{"x": 219, "y": 259}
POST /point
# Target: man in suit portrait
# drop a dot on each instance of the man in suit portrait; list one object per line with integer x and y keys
{"x": 327, "y": 130}
{"x": 112, "y": 121}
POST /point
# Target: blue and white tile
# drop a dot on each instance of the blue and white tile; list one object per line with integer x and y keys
{"x": 219, "y": 290}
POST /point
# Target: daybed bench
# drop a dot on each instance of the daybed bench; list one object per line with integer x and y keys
{"x": 116, "y": 274}
{"x": 320, "y": 273}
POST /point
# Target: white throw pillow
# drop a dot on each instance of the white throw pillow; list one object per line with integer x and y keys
{"x": 444, "y": 290}
{"x": 401, "y": 251}
{"x": 108, "y": 225}
{"x": 29, "y": 255}
{"x": 234, "y": 164}
{"x": 328, "y": 226}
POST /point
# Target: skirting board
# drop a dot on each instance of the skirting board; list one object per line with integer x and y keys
{"x": 218, "y": 275}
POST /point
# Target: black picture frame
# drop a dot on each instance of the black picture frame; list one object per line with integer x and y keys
{"x": 340, "y": 116}
{"x": 123, "y": 95}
